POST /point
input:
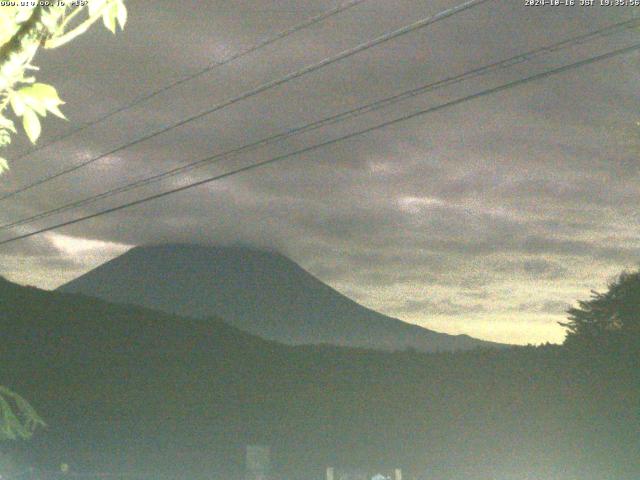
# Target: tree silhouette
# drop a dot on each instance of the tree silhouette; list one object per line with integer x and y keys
{"x": 608, "y": 319}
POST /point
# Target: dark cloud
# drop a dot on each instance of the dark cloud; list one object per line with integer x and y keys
{"x": 455, "y": 214}
{"x": 550, "y": 306}
{"x": 535, "y": 267}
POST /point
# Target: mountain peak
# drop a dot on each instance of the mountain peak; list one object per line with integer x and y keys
{"x": 260, "y": 291}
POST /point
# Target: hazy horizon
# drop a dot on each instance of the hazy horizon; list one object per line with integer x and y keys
{"x": 91, "y": 251}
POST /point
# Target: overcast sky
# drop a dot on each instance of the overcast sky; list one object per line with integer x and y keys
{"x": 488, "y": 218}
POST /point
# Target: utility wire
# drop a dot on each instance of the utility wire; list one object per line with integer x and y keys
{"x": 490, "y": 91}
{"x": 527, "y": 56}
{"x": 267, "y": 86}
{"x": 212, "y": 66}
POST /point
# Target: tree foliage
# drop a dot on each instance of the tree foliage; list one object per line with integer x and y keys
{"x": 23, "y": 31}
{"x": 612, "y": 317}
{"x": 165, "y": 397}
{"x": 18, "y": 417}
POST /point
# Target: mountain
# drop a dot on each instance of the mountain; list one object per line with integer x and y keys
{"x": 129, "y": 392}
{"x": 263, "y": 293}
{"x": 124, "y": 389}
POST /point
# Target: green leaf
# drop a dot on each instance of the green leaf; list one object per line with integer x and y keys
{"x": 56, "y": 111}
{"x": 31, "y": 124}
{"x": 42, "y": 92}
{"x": 95, "y": 6}
{"x": 4, "y": 165}
{"x": 109, "y": 17}
{"x": 23, "y": 14}
{"x": 36, "y": 105}
{"x": 121, "y": 13}
{"x": 5, "y": 123}
{"x": 5, "y": 137}
{"x": 50, "y": 22}
{"x": 42, "y": 98}
{"x": 22, "y": 100}
{"x": 20, "y": 424}
{"x": 17, "y": 104}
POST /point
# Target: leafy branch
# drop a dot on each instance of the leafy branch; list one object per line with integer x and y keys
{"x": 23, "y": 30}
{"x": 18, "y": 418}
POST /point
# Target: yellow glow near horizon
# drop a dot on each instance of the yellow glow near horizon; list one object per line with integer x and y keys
{"x": 506, "y": 306}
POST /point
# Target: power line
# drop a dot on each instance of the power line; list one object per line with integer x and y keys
{"x": 609, "y": 30}
{"x": 317, "y": 146}
{"x": 212, "y": 66}
{"x": 267, "y": 86}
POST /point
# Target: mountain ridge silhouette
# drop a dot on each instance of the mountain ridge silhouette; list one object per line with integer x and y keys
{"x": 261, "y": 292}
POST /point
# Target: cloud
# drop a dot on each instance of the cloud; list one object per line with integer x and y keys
{"x": 534, "y": 267}
{"x": 445, "y": 307}
{"x": 550, "y": 306}
{"x": 516, "y": 198}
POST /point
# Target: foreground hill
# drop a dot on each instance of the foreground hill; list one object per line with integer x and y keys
{"x": 130, "y": 390}
{"x": 260, "y": 292}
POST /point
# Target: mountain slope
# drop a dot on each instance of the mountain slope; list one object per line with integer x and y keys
{"x": 259, "y": 292}
{"x": 123, "y": 388}
{"x": 129, "y": 390}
